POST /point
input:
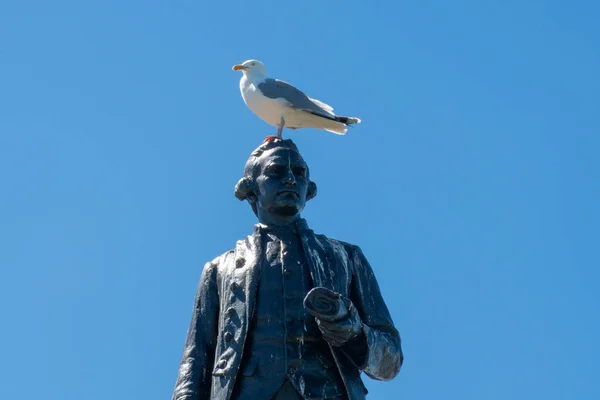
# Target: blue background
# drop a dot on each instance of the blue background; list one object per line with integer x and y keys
{"x": 471, "y": 185}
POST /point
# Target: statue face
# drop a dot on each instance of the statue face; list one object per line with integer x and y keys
{"x": 281, "y": 184}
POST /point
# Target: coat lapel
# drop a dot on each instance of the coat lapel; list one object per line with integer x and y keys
{"x": 329, "y": 266}
{"x": 321, "y": 260}
{"x": 248, "y": 259}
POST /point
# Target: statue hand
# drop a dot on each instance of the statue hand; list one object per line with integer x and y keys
{"x": 339, "y": 332}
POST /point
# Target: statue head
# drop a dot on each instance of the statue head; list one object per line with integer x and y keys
{"x": 276, "y": 182}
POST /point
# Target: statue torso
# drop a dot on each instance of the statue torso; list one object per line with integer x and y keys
{"x": 284, "y": 342}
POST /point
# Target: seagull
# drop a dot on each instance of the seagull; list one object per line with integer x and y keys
{"x": 282, "y": 105}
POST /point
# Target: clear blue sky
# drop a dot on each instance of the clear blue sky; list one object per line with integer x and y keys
{"x": 472, "y": 184}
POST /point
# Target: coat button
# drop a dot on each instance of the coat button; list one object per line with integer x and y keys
{"x": 287, "y": 272}
{"x": 222, "y": 364}
{"x": 239, "y": 263}
{"x": 230, "y": 311}
{"x": 292, "y": 370}
{"x": 228, "y": 336}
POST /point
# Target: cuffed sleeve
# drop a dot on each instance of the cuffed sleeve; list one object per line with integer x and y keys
{"x": 195, "y": 370}
{"x": 381, "y": 340}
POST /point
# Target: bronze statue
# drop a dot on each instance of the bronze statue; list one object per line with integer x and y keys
{"x": 256, "y": 331}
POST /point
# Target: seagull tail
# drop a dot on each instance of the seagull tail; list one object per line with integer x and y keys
{"x": 340, "y": 124}
{"x": 347, "y": 120}
{"x": 334, "y": 123}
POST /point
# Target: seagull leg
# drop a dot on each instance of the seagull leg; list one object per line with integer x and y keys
{"x": 279, "y": 132}
{"x": 280, "y": 128}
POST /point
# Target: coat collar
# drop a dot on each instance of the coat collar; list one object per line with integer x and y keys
{"x": 300, "y": 227}
{"x": 319, "y": 255}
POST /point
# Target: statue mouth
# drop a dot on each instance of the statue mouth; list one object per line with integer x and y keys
{"x": 287, "y": 191}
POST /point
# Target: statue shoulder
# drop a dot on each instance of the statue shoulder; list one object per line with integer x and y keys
{"x": 335, "y": 243}
{"x": 228, "y": 258}
{"x": 220, "y": 260}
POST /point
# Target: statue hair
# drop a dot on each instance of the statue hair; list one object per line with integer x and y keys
{"x": 245, "y": 188}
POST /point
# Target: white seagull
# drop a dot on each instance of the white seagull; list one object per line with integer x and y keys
{"x": 282, "y": 105}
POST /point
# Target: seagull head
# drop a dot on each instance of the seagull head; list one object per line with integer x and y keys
{"x": 251, "y": 67}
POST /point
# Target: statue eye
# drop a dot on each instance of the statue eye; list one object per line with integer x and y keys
{"x": 299, "y": 171}
{"x": 275, "y": 170}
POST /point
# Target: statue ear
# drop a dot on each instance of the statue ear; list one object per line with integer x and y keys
{"x": 244, "y": 190}
{"x": 312, "y": 190}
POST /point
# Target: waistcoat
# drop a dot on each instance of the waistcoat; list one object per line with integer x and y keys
{"x": 284, "y": 341}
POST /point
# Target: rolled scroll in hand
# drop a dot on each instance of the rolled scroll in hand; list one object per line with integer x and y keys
{"x": 325, "y": 304}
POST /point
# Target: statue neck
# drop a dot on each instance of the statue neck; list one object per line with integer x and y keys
{"x": 277, "y": 220}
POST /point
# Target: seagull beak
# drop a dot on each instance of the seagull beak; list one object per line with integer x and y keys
{"x": 238, "y": 67}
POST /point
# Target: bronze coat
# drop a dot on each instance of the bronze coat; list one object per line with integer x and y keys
{"x": 224, "y": 307}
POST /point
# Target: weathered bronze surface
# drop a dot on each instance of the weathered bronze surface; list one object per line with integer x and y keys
{"x": 255, "y": 334}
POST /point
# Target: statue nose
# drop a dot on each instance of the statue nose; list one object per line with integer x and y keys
{"x": 289, "y": 178}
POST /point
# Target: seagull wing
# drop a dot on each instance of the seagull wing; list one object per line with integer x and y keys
{"x": 276, "y": 89}
{"x": 324, "y": 106}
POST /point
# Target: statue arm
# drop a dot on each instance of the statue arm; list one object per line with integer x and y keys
{"x": 195, "y": 370}
{"x": 377, "y": 350}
